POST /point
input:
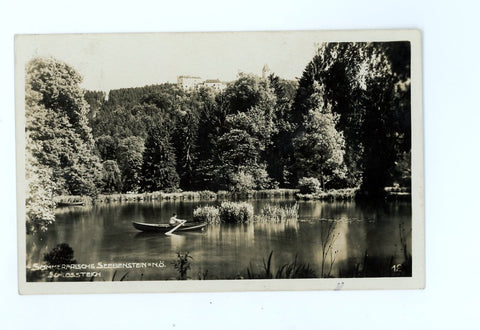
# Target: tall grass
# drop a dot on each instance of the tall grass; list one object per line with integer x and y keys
{"x": 327, "y": 241}
{"x": 292, "y": 269}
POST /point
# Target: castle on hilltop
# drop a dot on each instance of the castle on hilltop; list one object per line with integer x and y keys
{"x": 191, "y": 82}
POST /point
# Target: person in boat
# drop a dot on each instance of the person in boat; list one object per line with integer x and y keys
{"x": 174, "y": 221}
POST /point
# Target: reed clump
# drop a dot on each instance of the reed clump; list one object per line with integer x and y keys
{"x": 209, "y": 214}
{"x": 236, "y": 212}
{"x": 277, "y": 213}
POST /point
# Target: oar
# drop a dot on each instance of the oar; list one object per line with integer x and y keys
{"x": 175, "y": 228}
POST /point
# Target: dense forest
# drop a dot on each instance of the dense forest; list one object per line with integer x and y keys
{"x": 345, "y": 122}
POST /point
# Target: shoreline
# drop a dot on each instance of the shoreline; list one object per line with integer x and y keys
{"x": 203, "y": 195}
{"x": 345, "y": 194}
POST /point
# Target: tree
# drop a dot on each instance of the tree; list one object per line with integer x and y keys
{"x": 319, "y": 147}
{"x": 95, "y": 100}
{"x": 185, "y": 145}
{"x": 241, "y": 149}
{"x": 279, "y": 156}
{"x": 39, "y": 185}
{"x": 158, "y": 170}
{"x": 65, "y": 142}
{"x": 112, "y": 181}
{"x": 130, "y": 160}
{"x": 212, "y": 114}
{"x": 106, "y": 146}
{"x": 368, "y": 86}
{"x": 246, "y": 136}
{"x": 386, "y": 128}
{"x": 248, "y": 91}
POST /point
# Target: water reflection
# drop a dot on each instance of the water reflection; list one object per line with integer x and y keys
{"x": 334, "y": 239}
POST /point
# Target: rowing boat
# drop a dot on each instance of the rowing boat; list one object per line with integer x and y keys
{"x": 163, "y": 227}
{"x": 59, "y": 204}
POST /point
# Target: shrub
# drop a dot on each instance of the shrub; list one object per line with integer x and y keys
{"x": 210, "y": 214}
{"x": 308, "y": 185}
{"x": 236, "y": 212}
{"x": 241, "y": 182}
{"x": 61, "y": 254}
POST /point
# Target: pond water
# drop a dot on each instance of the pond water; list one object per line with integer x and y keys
{"x": 365, "y": 240}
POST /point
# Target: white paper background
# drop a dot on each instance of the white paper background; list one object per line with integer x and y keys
{"x": 451, "y": 75}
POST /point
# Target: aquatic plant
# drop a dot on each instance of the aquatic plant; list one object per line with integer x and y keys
{"x": 209, "y": 214}
{"x": 277, "y": 213}
{"x": 292, "y": 269}
{"x": 182, "y": 265}
{"x": 295, "y": 270}
{"x": 234, "y": 212}
{"x": 327, "y": 241}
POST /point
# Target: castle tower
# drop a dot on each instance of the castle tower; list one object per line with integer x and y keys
{"x": 265, "y": 71}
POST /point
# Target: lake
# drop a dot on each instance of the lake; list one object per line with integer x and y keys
{"x": 330, "y": 239}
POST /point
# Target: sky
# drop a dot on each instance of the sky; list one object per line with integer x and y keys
{"x": 111, "y": 61}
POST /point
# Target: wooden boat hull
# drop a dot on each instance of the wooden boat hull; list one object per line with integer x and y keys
{"x": 163, "y": 228}
{"x": 63, "y": 204}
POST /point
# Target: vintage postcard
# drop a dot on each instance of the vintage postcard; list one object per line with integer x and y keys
{"x": 226, "y": 161}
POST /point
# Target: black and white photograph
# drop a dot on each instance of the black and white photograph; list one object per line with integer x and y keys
{"x": 226, "y": 161}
